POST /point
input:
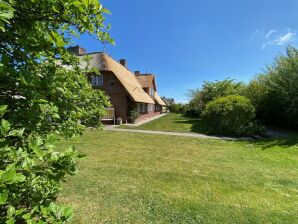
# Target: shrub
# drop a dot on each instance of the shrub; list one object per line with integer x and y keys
{"x": 274, "y": 93}
{"x": 174, "y": 108}
{"x": 212, "y": 90}
{"x": 230, "y": 115}
{"x": 280, "y": 105}
{"x": 133, "y": 116}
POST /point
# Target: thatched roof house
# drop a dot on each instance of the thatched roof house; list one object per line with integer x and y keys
{"x": 127, "y": 91}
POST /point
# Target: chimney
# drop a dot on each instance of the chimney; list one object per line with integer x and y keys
{"x": 123, "y": 62}
{"x": 137, "y": 72}
{"x": 77, "y": 50}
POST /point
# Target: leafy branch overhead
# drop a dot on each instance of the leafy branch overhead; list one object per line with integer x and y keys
{"x": 43, "y": 93}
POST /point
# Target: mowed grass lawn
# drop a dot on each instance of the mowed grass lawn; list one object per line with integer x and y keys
{"x": 172, "y": 122}
{"x": 139, "y": 178}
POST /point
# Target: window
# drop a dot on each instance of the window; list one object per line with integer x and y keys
{"x": 97, "y": 80}
{"x": 151, "y": 107}
{"x": 151, "y": 91}
{"x": 141, "y": 107}
{"x": 144, "y": 108}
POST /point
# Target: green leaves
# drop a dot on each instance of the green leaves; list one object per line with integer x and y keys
{"x": 10, "y": 176}
{"x": 3, "y": 109}
{"x": 5, "y": 126}
{"x": 16, "y": 133}
{"x": 3, "y": 197}
{"x": 6, "y": 13}
{"x": 48, "y": 94}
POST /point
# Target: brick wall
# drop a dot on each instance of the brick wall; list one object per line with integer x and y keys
{"x": 118, "y": 97}
{"x": 144, "y": 116}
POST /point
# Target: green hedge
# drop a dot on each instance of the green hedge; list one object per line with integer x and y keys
{"x": 230, "y": 115}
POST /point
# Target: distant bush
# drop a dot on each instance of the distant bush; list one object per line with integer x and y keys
{"x": 230, "y": 115}
{"x": 212, "y": 90}
{"x": 177, "y": 108}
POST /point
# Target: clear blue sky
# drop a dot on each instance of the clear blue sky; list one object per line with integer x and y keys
{"x": 187, "y": 42}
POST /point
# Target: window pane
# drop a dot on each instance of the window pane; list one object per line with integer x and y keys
{"x": 97, "y": 80}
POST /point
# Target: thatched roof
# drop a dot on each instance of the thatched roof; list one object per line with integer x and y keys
{"x": 159, "y": 100}
{"x": 146, "y": 80}
{"x": 103, "y": 62}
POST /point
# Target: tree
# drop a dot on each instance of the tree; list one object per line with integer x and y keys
{"x": 212, "y": 90}
{"x": 282, "y": 85}
{"x": 275, "y": 94}
{"x": 43, "y": 92}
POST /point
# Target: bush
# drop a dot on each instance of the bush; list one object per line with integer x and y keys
{"x": 230, "y": 115}
{"x": 174, "y": 108}
{"x": 279, "y": 106}
{"x": 212, "y": 90}
{"x": 274, "y": 93}
{"x": 133, "y": 116}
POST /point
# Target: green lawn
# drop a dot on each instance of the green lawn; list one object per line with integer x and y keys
{"x": 172, "y": 122}
{"x": 138, "y": 178}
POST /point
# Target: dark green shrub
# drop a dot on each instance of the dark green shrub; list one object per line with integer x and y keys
{"x": 133, "y": 116}
{"x": 174, "y": 108}
{"x": 230, "y": 115}
{"x": 274, "y": 93}
{"x": 277, "y": 102}
{"x": 212, "y": 90}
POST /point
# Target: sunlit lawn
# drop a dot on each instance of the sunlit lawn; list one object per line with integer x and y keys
{"x": 138, "y": 178}
{"x": 172, "y": 122}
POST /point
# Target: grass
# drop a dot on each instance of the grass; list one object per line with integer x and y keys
{"x": 172, "y": 122}
{"x": 138, "y": 178}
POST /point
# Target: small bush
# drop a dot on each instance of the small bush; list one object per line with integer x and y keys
{"x": 133, "y": 116}
{"x": 230, "y": 115}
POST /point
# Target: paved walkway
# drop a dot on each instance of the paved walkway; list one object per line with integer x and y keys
{"x": 114, "y": 128}
{"x": 146, "y": 120}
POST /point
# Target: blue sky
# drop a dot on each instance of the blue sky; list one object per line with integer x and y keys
{"x": 187, "y": 42}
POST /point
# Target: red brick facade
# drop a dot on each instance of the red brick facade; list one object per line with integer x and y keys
{"x": 148, "y": 115}
{"x": 121, "y": 100}
{"x": 117, "y": 94}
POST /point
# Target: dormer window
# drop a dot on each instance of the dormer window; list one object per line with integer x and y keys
{"x": 97, "y": 80}
{"x": 151, "y": 91}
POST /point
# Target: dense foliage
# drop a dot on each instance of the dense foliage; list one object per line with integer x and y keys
{"x": 211, "y": 91}
{"x": 177, "y": 108}
{"x": 43, "y": 93}
{"x": 230, "y": 115}
{"x": 275, "y": 93}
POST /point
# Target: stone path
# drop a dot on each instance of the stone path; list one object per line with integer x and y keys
{"x": 114, "y": 128}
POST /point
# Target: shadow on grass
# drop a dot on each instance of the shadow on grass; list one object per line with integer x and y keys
{"x": 283, "y": 142}
{"x": 196, "y": 124}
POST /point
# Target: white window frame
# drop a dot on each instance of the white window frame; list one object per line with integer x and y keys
{"x": 97, "y": 80}
{"x": 151, "y": 107}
